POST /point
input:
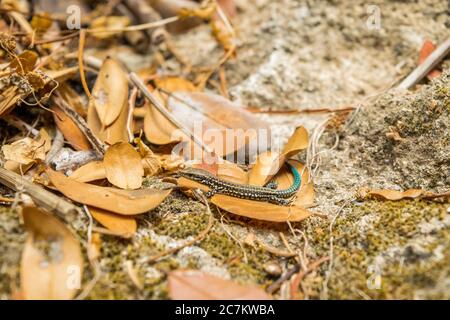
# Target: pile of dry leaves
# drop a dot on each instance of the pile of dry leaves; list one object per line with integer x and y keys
{"x": 83, "y": 130}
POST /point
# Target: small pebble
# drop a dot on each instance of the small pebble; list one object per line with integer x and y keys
{"x": 273, "y": 269}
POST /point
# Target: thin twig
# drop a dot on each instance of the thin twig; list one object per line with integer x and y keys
{"x": 81, "y": 63}
{"x": 40, "y": 196}
{"x": 430, "y": 62}
{"x": 98, "y": 146}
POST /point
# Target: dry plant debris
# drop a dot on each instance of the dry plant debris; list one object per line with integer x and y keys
{"x": 99, "y": 120}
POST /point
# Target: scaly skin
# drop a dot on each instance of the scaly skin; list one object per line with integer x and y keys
{"x": 218, "y": 186}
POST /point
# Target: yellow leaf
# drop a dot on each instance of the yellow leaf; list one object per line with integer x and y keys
{"x": 52, "y": 264}
{"x": 123, "y": 166}
{"x": 127, "y": 202}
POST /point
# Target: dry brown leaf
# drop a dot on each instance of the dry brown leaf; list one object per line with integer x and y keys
{"x": 127, "y": 202}
{"x": 157, "y": 128}
{"x": 26, "y": 151}
{"x": 41, "y": 22}
{"x": 70, "y": 130}
{"x": 172, "y": 84}
{"x": 123, "y": 166}
{"x": 52, "y": 264}
{"x": 269, "y": 163}
{"x": 150, "y": 162}
{"x": 116, "y": 132}
{"x": 427, "y": 48}
{"x": 114, "y": 222}
{"x": 94, "y": 170}
{"x": 230, "y": 171}
{"x": 196, "y": 285}
{"x": 297, "y": 142}
{"x": 17, "y": 167}
{"x": 107, "y": 23}
{"x": 393, "y": 194}
{"x": 212, "y": 116}
{"x": 110, "y": 92}
{"x": 24, "y": 62}
{"x": 260, "y": 210}
{"x": 263, "y": 169}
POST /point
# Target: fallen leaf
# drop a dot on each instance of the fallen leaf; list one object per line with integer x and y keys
{"x": 269, "y": 163}
{"x": 260, "y": 210}
{"x": 27, "y": 150}
{"x": 172, "y": 84}
{"x": 110, "y": 92}
{"x": 394, "y": 195}
{"x": 230, "y": 171}
{"x": 196, "y": 285}
{"x": 264, "y": 168}
{"x": 427, "y": 48}
{"x": 224, "y": 126}
{"x": 157, "y": 128}
{"x": 127, "y": 202}
{"x": 116, "y": 132}
{"x": 52, "y": 265}
{"x": 70, "y": 130}
{"x": 91, "y": 171}
{"x": 108, "y": 25}
{"x": 114, "y": 222}
{"x": 24, "y": 62}
{"x": 41, "y": 22}
{"x": 123, "y": 166}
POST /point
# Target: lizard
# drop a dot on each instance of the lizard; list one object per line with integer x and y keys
{"x": 267, "y": 193}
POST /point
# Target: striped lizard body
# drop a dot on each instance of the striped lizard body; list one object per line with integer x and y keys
{"x": 219, "y": 186}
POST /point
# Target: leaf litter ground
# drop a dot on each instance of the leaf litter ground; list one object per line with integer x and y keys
{"x": 406, "y": 242}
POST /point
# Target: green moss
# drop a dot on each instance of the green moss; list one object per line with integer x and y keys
{"x": 389, "y": 234}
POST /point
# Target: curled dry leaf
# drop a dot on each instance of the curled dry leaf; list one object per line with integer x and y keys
{"x": 127, "y": 202}
{"x": 70, "y": 130}
{"x": 123, "y": 166}
{"x": 94, "y": 170}
{"x": 196, "y": 285}
{"x": 114, "y": 222}
{"x": 52, "y": 264}
{"x": 150, "y": 162}
{"x": 26, "y": 151}
{"x": 110, "y": 92}
{"x": 268, "y": 164}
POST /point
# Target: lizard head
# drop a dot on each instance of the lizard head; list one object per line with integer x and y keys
{"x": 194, "y": 173}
